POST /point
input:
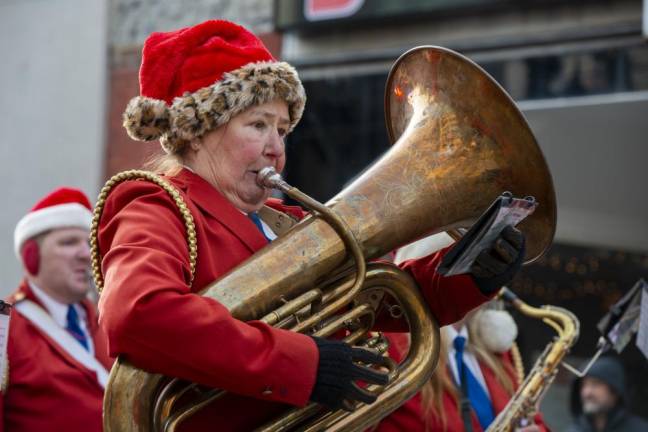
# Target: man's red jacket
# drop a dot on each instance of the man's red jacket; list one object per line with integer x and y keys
{"x": 48, "y": 389}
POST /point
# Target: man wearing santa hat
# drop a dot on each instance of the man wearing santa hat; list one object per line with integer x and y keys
{"x": 57, "y": 358}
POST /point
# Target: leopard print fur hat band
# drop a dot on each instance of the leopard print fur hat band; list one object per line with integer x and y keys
{"x": 195, "y": 79}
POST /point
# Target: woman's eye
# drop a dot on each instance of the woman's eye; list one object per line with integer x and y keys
{"x": 259, "y": 125}
{"x": 282, "y": 132}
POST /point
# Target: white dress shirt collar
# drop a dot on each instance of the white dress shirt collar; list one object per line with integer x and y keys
{"x": 56, "y": 309}
{"x": 58, "y": 312}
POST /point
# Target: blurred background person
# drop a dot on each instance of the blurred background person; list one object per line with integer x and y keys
{"x": 57, "y": 356}
{"x": 598, "y": 400}
{"x": 477, "y": 351}
{"x": 480, "y": 344}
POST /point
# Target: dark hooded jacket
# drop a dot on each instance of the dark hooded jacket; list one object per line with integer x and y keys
{"x": 610, "y": 371}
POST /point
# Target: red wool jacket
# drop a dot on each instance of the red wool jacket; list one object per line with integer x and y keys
{"x": 153, "y": 317}
{"x": 49, "y": 390}
{"x": 410, "y": 417}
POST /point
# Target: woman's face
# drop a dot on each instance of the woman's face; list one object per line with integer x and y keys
{"x": 231, "y": 156}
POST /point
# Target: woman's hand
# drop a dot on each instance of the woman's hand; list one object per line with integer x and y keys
{"x": 337, "y": 373}
{"x": 497, "y": 266}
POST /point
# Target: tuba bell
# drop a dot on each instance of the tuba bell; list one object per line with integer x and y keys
{"x": 459, "y": 142}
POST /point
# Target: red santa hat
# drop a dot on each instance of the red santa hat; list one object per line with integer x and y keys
{"x": 195, "y": 79}
{"x": 63, "y": 208}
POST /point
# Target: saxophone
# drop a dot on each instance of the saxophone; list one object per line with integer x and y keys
{"x": 522, "y": 406}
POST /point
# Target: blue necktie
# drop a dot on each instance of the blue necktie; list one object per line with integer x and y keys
{"x": 74, "y": 328}
{"x": 476, "y": 393}
{"x": 254, "y": 217}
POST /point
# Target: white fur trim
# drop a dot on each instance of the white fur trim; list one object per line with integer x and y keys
{"x": 497, "y": 329}
{"x": 423, "y": 247}
{"x": 71, "y": 215}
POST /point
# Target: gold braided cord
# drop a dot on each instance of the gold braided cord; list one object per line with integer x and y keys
{"x": 5, "y": 377}
{"x": 169, "y": 189}
{"x": 517, "y": 363}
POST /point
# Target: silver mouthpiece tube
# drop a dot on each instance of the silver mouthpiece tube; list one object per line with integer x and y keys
{"x": 269, "y": 178}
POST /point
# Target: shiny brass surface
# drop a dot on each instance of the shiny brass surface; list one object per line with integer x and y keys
{"x": 481, "y": 142}
{"x": 408, "y": 377}
{"x": 460, "y": 142}
{"x": 522, "y": 407}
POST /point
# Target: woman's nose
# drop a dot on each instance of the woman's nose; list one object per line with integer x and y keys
{"x": 275, "y": 146}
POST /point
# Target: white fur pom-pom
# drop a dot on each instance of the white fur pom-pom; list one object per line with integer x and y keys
{"x": 497, "y": 329}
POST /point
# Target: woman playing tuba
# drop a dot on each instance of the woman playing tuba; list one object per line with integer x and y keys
{"x": 221, "y": 106}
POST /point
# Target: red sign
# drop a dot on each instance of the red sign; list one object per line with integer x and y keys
{"x": 316, "y": 10}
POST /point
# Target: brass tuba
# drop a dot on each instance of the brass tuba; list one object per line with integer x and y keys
{"x": 461, "y": 142}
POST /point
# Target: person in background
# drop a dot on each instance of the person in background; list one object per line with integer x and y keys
{"x": 57, "y": 354}
{"x": 479, "y": 346}
{"x": 598, "y": 400}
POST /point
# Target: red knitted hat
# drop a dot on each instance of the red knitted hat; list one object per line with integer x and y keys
{"x": 63, "y": 208}
{"x": 195, "y": 79}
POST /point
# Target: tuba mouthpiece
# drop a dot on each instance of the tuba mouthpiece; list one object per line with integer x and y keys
{"x": 269, "y": 178}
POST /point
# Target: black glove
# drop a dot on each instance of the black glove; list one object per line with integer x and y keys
{"x": 337, "y": 373}
{"x": 498, "y": 265}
